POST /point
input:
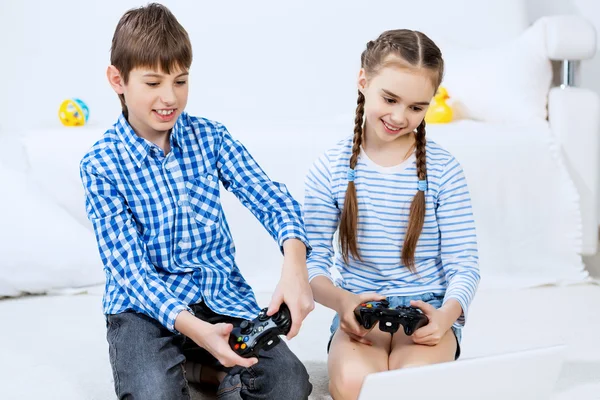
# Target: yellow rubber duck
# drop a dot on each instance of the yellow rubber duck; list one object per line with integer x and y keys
{"x": 439, "y": 112}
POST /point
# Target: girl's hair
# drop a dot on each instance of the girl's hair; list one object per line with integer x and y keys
{"x": 411, "y": 50}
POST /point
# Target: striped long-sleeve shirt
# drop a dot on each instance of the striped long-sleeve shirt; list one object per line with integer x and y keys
{"x": 446, "y": 257}
{"x": 161, "y": 231}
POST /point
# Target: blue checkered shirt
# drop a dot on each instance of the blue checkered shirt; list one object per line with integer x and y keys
{"x": 162, "y": 235}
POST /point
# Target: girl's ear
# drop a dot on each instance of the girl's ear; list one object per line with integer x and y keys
{"x": 362, "y": 80}
{"x": 115, "y": 79}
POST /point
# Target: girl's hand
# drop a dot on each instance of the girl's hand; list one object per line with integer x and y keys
{"x": 439, "y": 323}
{"x": 348, "y": 323}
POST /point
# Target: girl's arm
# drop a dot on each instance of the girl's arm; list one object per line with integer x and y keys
{"x": 326, "y": 293}
{"x": 321, "y": 216}
{"x": 458, "y": 241}
{"x": 321, "y": 219}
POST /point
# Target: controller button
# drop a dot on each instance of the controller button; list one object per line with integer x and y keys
{"x": 244, "y": 346}
{"x": 260, "y": 328}
{"x": 262, "y": 316}
{"x": 239, "y": 339}
{"x": 369, "y": 305}
{"x": 237, "y": 346}
{"x": 246, "y": 338}
{"x": 245, "y": 327}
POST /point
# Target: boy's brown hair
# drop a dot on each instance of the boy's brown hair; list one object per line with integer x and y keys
{"x": 149, "y": 37}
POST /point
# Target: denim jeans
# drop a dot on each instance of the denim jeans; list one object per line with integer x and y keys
{"x": 148, "y": 363}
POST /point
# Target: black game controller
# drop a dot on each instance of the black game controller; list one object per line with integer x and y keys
{"x": 390, "y": 319}
{"x": 262, "y": 332}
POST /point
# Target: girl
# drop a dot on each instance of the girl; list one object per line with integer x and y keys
{"x": 402, "y": 207}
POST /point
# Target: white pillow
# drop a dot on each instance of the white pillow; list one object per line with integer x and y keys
{"x": 506, "y": 84}
{"x": 13, "y": 155}
{"x": 41, "y": 246}
{"x": 54, "y": 155}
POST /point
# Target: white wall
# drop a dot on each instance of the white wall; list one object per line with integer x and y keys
{"x": 252, "y": 59}
{"x": 52, "y": 50}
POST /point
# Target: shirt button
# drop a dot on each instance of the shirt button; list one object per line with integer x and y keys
{"x": 181, "y": 203}
{"x": 210, "y": 178}
{"x": 185, "y": 240}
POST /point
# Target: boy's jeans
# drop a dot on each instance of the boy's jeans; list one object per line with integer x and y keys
{"x": 147, "y": 362}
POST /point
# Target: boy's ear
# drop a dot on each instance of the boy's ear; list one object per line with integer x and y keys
{"x": 362, "y": 80}
{"x": 115, "y": 80}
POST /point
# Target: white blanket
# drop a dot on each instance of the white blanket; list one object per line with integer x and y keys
{"x": 525, "y": 204}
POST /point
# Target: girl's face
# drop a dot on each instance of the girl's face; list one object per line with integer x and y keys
{"x": 396, "y": 100}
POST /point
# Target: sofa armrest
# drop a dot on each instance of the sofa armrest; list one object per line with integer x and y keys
{"x": 574, "y": 116}
{"x": 569, "y": 37}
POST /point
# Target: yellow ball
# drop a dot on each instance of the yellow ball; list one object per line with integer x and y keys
{"x": 73, "y": 112}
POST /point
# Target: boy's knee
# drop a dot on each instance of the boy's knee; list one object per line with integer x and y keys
{"x": 290, "y": 380}
{"x": 299, "y": 380}
{"x": 154, "y": 387}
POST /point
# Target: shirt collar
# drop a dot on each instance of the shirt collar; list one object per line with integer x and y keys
{"x": 178, "y": 131}
{"x": 138, "y": 147}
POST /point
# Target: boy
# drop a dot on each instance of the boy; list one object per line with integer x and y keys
{"x": 173, "y": 289}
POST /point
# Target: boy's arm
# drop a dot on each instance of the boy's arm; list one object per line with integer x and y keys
{"x": 269, "y": 201}
{"x": 458, "y": 242}
{"x": 123, "y": 253}
{"x": 281, "y": 215}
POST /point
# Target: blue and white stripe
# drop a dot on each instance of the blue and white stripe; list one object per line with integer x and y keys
{"x": 446, "y": 256}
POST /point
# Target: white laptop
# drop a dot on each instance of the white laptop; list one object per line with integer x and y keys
{"x": 529, "y": 375}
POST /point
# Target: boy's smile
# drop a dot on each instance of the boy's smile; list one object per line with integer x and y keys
{"x": 165, "y": 114}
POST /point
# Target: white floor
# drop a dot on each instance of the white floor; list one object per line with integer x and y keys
{"x": 54, "y": 347}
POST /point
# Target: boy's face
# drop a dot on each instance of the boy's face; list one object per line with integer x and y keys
{"x": 154, "y": 98}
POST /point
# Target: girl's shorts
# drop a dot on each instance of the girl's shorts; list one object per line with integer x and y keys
{"x": 395, "y": 301}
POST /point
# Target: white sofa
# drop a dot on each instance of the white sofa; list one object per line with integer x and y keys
{"x": 281, "y": 77}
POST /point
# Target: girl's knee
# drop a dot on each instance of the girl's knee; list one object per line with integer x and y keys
{"x": 346, "y": 383}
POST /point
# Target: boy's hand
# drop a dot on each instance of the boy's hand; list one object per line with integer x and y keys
{"x": 215, "y": 339}
{"x": 293, "y": 288}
